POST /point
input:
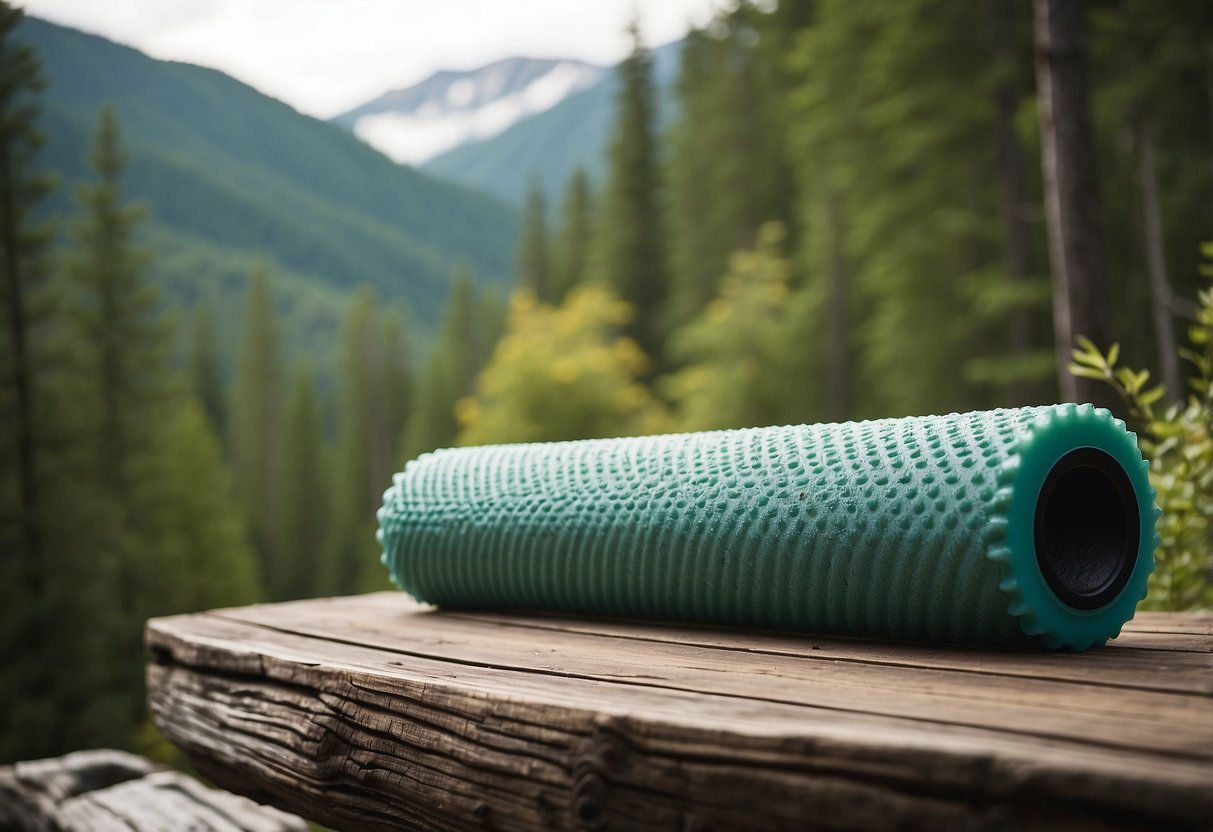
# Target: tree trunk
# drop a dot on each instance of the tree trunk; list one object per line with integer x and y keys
{"x": 22, "y": 378}
{"x": 1011, "y": 176}
{"x": 1156, "y": 266}
{"x": 1072, "y": 198}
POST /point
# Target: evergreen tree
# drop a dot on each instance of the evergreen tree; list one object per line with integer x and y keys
{"x": 27, "y": 707}
{"x": 631, "y": 253}
{"x": 451, "y": 365}
{"x": 572, "y": 247}
{"x": 399, "y": 390}
{"x": 919, "y": 253}
{"x": 729, "y": 170}
{"x": 307, "y": 496}
{"x": 255, "y": 416}
{"x": 490, "y": 326}
{"x": 1153, "y": 109}
{"x": 365, "y": 456}
{"x": 123, "y": 387}
{"x": 534, "y": 258}
{"x": 202, "y": 532}
{"x": 206, "y": 380}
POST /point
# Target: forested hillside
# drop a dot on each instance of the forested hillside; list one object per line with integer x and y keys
{"x": 231, "y": 174}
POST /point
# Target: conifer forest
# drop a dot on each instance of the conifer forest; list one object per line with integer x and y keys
{"x": 847, "y": 213}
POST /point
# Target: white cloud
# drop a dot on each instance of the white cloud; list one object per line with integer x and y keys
{"x": 324, "y": 56}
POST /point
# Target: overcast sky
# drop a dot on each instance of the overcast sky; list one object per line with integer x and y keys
{"x": 325, "y": 56}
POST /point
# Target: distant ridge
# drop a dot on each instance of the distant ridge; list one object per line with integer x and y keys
{"x": 549, "y": 146}
{"x": 231, "y": 174}
{"x": 451, "y": 108}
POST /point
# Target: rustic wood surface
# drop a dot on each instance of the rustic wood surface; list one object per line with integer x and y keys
{"x": 104, "y": 789}
{"x": 374, "y": 712}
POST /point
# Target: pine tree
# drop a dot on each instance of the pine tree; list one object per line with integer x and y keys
{"x": 123, "y": 391}
{"x": 305, "y": 520}
{"x": 361, "y": 436}
{"x": 451, "y": 365}
{"x": 1153, "y": 110}
{"x": 255, "y": 416}
{"x": 206, "y": 380}
{"x": 729, "y": 171}
{"x": 399, "y": 387}
{"x": 534, "y": 258}
{"x": 572, "y": 247}
{"x": 202, "y": 532}
{"x": 898, "y": 170}
{"x": 27, "y": 707}
{"x": 631, "y": 253}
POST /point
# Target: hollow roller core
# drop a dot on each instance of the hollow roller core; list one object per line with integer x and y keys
{"x": 987, "y": 527}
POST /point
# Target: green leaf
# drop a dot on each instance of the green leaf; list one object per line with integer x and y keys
{"x": 1086, "y": 372}
{"x": 1152, "y": 395}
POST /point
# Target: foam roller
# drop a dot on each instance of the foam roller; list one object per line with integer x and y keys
{"x": 1024, "y": 525}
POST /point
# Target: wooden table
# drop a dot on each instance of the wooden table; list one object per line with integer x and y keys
{"x": 373, "y": 712}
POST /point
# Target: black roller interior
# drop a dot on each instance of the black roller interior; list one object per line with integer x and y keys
{"x": 1087, "y": 529}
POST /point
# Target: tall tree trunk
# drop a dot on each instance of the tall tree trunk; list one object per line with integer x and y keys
{"x": 23, "y": 433}
{"x": 1011, "y": 175}
{"x": 1156, "y": 265}
{"x": 1072, "y": 198}
{"x": 837, "y": 369}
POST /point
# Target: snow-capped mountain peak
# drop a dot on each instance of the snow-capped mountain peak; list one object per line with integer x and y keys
{"x": 452, "y": 108}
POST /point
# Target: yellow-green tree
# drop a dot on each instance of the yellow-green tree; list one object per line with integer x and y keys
{"x": 747, "y": 356}
{"x": 562, "y": 372}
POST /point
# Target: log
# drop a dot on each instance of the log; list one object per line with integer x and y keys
{"x": 104, "y": 789}
{"x": 375, "y": 712}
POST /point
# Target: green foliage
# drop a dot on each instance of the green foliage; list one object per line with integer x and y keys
{"x": 202, "y": 536}
{"x": 372, "y": 397}
{"x": 205, "y": 374}
{"x": 571, "y": 251}
{"x": 306, "y": 509}
{"x": 122, "y": 390}
{"x": 255, "y": 417}
{"x": 135, "y": 473}
{"x": 30, "y": 427}
{"x": 534, "y": 254}
{"x": 896, "y": 135}
{"x": 729, "y": 170}
{"x": 1150, "y": 77}
{"x": 469, "y": 332}
{"x": 630, "y": 242}
{"x": 737, "y": 360}
{"x": 1178, "y": 442}
{"x": 225, "y": 163}
{"x": 562, "y": 373}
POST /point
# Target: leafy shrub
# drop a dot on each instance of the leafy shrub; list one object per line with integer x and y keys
{"x": 1178, "y": 442}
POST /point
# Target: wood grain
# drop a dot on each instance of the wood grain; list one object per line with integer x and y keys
{"x": 376, "y": 712}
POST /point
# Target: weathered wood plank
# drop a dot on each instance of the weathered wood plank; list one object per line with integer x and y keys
{"x": 374, "y": 712}
{"x": 104, "y": 789}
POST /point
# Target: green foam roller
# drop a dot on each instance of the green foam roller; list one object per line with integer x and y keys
{"x": 1032, "y": 524}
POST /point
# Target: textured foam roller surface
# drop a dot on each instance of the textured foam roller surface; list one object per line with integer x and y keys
{"x": 987, "y": 527}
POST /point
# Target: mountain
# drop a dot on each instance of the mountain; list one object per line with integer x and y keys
{"x": 549, "y": 146}
{"x": 232, "y": 175}
{"x": 452, "y": 108}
